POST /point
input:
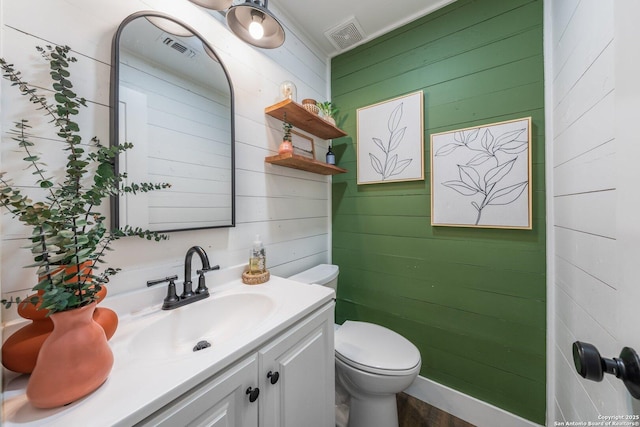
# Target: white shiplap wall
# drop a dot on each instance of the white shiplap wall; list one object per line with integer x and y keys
{"x": 288, "y": 208}
{"x": 586, "y": 294}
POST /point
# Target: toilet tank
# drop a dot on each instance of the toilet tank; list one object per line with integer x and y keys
{"x": 323, "y": 274}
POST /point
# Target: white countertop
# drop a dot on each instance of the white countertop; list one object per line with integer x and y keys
{"x": 141, "y": 383}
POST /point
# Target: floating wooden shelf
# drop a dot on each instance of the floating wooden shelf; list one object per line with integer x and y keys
{"x": 299, "y": 117}
{"x": 303, "y": 163}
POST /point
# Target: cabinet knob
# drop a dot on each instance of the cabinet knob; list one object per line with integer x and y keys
{"x": 253, "y": 394}
{"x": 273, "y": 377}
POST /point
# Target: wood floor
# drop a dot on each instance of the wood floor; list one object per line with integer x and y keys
{"x": 413, "y": 412}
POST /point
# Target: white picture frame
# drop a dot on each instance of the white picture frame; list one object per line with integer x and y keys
{"x": 390, "y": 140}
{"x": 481, "y": 176}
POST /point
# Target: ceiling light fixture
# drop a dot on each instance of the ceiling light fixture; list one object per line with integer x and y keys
{"x": 255, "y": 24}
{"x": 256, "y": 30}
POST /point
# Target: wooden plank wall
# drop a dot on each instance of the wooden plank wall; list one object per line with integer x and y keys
{"x": 472, "y": 300}
{"x": 288, "y": 208}
{"x": 587, "y": 268}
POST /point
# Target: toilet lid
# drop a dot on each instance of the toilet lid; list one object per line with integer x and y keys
{"x": 320, "y": 274}
{"x": 375, "y": 346}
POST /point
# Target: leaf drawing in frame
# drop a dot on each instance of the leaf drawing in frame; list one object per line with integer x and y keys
{"x": 481, "y": 176}
{"x": 390, "y": 140}
{"x": 390, "y": 166}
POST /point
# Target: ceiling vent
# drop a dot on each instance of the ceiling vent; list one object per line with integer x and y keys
{"x": 178, "y": 46}
{"x": 346, "y": 34}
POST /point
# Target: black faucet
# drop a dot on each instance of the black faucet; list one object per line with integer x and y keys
{"x": 188, "y": 295}
{"x": 202, "y": 289}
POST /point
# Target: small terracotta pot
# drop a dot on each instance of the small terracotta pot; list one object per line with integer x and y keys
{"x": 285, "y": 147}
{"x": 74, "y": 360}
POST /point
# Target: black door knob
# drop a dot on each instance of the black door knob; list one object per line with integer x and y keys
{"x": 273, "y": 377}
{"x": 588, "y": 361}
{"x": 253, "y": 394}
{"x": 592, "y": 366}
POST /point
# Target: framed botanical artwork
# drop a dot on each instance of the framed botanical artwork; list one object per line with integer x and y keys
{"x": 481, "y": 176}
{"x": 390, "y": 140}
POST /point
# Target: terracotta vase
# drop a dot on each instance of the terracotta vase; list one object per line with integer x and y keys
{"x": 73, "y": 361}
{"x": 285, "y": 147}
{"x": 20, "y": 350}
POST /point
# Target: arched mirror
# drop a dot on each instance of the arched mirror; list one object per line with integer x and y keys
{"x": 172, "y": 98}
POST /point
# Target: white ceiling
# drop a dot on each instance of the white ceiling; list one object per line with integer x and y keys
{"x": 376, "y": 17}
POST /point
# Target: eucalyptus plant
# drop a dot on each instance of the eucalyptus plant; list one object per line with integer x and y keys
{"x": 67, "y": 227}
{"x": 286, "y": 128}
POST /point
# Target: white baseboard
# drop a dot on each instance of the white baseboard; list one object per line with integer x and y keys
{"x": 465, "y": 407}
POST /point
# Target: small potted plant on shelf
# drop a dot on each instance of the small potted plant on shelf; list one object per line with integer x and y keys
{"x": 69, "y": 237}
{"x": 328, "y": 111}
{"x": 286, "y": 146}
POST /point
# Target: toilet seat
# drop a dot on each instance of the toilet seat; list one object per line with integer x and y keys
{"x": 375, "y": 349}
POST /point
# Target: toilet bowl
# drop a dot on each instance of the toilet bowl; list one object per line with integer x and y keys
{"x": 373, "y": 363}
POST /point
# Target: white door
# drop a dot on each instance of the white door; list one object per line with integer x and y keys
{"x": 627, "y": 34}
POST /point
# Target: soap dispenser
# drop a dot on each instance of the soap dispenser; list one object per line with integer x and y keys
{"x": 331, "y": 158}
{"x": 258, "y": 259}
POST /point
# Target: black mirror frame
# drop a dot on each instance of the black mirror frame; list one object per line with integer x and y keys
{"x": 114, "y": 100}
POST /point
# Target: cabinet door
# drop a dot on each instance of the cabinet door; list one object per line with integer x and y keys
{"x": 303, "y": 360}
{"x": 219, "y": 402}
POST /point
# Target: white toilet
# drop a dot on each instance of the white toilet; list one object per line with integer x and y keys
{"x": 373, "y": 363}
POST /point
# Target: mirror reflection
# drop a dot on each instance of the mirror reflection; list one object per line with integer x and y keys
{"x": 173, "y": 100}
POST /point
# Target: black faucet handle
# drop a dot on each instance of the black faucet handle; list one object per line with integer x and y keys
{"x": 207, "y": 269}
{"x": 158, "y": 281}
{"x": 202, "y": 288}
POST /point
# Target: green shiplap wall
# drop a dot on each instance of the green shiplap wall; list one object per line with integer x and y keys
{"x": 472, "y": 300}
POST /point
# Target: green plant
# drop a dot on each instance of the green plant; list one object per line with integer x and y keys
{"x": 67, "y": 228}
{"x": 328, "y": 109}
{"x": 286, "y": 127}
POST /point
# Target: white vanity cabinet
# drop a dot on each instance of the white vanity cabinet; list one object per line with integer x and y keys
{"x": 294, "y": 373}
{"x": 218, "y": 402}
{"x": 297, "y": 375}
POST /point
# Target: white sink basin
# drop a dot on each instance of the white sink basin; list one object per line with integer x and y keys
{"x": 215, "y": 320}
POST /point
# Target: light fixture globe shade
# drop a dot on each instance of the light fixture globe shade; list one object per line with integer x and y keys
{"x": 213, "y": 4}
{"x": 239, "y": 18}
{"x": 169, "y": 26}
